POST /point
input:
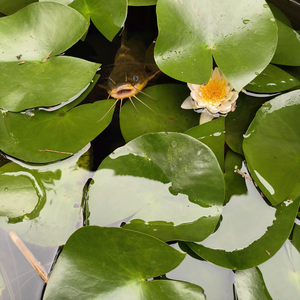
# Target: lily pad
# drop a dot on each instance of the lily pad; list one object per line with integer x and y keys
{"x": 282, "y": 273}
{"x": 165, "y": 113}
{"x": 121, "y": 261}
{"x": 48, "y": 209}
{"x": 237, "y": 122}
{"x": 250, "y": 233}
{"x": 250, "y": 285}
{"x": 192, "y": 31}
{"x": 272, "y": 147}
{"x": 28, "y": 77}
{"x": 18, "y": 192}
{"x": 167, "y": 185}
{"x": 212, "y": 135}
{"x": 107, "y": 16}
{"x": 53, "y": 135}
{"x": 272, "y": 80}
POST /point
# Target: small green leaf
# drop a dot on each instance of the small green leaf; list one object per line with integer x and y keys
{"x": 272, "y": 147}
{"x": 8, "y": 7}
{"x": 166, "y": 114}
{"x": 141, "y": 2}
{"x": 250, "y": 285}
{"x": 271, "y": 80}
{"x": 169, "y": 185}
{"x": 192, "y": 31}
{"x": 107, "y": 16}
{"x": 212, "y": 135}
{"x": 113, "y": 263}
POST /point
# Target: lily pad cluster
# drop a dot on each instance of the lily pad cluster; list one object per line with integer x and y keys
{"x": 180, "y": 210}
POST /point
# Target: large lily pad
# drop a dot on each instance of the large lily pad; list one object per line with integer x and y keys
{"x": 272, "y": 147}
{"x": 42, "y": 204}
{"x": 168, "y": 185}
{"x": 53, "y": 135}
{"x": 28, "y": 79}
{"x": 192, "y": 31}
{"x": 113, "y": 263}
{"x": 107, "y": 16}
{"x": 250, "y": 233}
{"x": 166, "y": 114}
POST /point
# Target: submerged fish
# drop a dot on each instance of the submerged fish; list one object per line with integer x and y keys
{"x": 129, "y": 75}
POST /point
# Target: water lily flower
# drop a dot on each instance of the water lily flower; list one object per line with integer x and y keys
{"x": 216, "y": 97}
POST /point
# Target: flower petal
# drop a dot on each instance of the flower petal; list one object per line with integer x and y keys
{"x": 188, "y": 103}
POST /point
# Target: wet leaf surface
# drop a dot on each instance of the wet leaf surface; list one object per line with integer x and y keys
{"x": 191, "y": 32}
{"x": 168, "y": 185}
{"x": 166, "y": 114}
{"x": 272, "y": 147}
{"x": 28, "y": 77}
{"x": 122, "y": 261}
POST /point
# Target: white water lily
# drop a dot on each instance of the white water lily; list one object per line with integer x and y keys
{"x": 217, "y": 96}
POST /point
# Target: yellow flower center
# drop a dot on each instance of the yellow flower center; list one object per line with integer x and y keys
{"x": 214, "y": 91}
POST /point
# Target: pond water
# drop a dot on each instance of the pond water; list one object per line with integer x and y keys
{"x": 61, "y": 204}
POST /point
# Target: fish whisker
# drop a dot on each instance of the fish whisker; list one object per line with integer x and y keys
{"x": 133, "y": 104}
{"x": 144, "y": 103}
{"x": 108, "y": 110}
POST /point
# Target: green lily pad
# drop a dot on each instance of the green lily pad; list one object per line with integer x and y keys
{"x": 272, "y": 147}
{"x": 28, "y": 79}
{"x": 250, "y": 233}
{"x": 13, "y": 184}
{"x": 43, "y": 203}
{"x": 168, "y": 185}
{"x": 166, "y": 114}
{"x": 121, "y": 261}
{"x": 272, "y": 80}
{"x": 212, "y": 135}
{"x": 53, "y": 135}
{"x": 250, "y": 285}
{"x": 8, "y": 7}
{"x": 107, "y": 16}
{"x": 237, "y": 122}
{"x": 288, "y": 48}
{"x": 192, "y": 31}
{"x": 282, "y": 272}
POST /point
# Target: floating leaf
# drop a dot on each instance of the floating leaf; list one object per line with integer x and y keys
{"x": 271, "y": 80}
{"x": 18, "y": 192}
{"x": 237, "y": 122}
{"x": 47, "y": 209}
{"x": 107, "y": 16}
{"x": 250, "y": 285}
{"x": 113, "y": 263}
{"x": 192, "y": 31}
{"x": 272, "y": 147}
{"x": 282, "y": 272}
{"x": 28, "y": 79}
{"x": 53, "y": 135}
{"x": 169, "y": 185}
{"x": 212, "y": 135}
{"x": 250, "y": 233}
{"x": 167, "y": 116}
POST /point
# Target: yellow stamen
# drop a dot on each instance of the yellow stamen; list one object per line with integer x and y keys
{"x": 214, "y": 91}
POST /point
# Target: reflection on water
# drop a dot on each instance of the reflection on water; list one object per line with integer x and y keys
{"x": 245, "y": 219}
